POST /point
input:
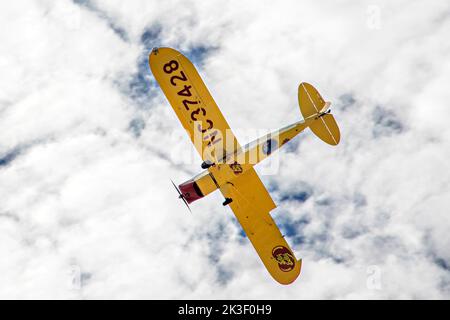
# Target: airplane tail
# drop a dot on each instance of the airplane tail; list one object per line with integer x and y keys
{"x": 312, "y": 106}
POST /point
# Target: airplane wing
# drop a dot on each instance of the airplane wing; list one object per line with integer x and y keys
{"x": 193, "y": 104}
{"x": 252, "y": 205}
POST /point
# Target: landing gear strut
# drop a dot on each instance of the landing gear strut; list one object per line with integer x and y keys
{"x": 227, "y": 201}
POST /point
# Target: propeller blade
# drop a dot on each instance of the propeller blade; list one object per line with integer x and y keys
{"x": 176, "y": 188}
{"x": 181, "y": 196}
{"x": 187, "y": 205}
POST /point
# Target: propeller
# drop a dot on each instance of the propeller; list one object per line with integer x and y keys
{"x": 181, "y": 196}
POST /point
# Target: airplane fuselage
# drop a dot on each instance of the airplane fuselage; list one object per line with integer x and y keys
{"x": 237, "y": 163}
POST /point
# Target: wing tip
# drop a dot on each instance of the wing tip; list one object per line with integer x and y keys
{"x": 293, "y": 277}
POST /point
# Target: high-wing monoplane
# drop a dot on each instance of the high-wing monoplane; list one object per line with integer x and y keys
{"x": 228, "y": 166}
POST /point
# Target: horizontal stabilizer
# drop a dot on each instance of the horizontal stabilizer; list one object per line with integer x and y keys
{"x": 312, "y": 105}
{"x": 326, "y": 129}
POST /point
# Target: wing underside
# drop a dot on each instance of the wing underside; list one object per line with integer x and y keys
{"x": 192, "y": 103}
{"x": 252, "y": 205}
{"x": 213, "y": 139}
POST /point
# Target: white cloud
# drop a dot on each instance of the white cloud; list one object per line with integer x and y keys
{"x": 84, "y": 197}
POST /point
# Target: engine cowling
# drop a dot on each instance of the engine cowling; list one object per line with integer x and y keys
{"x": 190, "y": 191}
{"x": 198, "y": 187}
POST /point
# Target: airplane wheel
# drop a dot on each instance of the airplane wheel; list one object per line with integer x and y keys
{"x": 206, "y": 165}
{"x": 227, "y": 201}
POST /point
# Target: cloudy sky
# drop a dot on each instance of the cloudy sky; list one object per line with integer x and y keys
{"x": 88, "y": 145}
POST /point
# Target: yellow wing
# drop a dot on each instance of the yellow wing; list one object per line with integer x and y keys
{"x": 251, "y": 205}
{"x": 193, "y": 104}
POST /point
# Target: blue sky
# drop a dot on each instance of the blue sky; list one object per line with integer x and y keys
{"x": 89, "y": 144}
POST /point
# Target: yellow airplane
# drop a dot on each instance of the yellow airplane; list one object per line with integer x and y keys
{"x": 229, "y": 167}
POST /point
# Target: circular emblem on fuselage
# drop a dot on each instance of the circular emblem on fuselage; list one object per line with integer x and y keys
{"x": 269, "y": 146}
{"x": 284, "y": 258}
